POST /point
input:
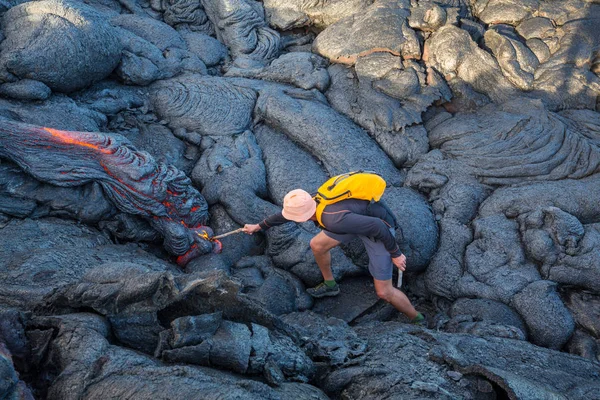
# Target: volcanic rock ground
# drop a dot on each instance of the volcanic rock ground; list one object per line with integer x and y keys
{"x": 128, "y": 128}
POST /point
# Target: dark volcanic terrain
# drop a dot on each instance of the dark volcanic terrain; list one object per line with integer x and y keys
{"x": 132, "y": 130}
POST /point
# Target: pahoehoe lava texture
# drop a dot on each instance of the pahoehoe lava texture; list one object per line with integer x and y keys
{"x": 207, "y": 105}
{"x": 520, "y": 141}
{"x": 65, "y": 45}
{"x": 132, "y": 180}
{"x": 131, "y": 129}
{"x": 241, "y": 26}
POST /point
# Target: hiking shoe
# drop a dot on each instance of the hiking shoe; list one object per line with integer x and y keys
{"x": 420, "y": 320}
{"x": 322, "y": 290}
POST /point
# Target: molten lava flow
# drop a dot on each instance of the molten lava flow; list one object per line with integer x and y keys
{"x": 132, "y": 180}
{"x": 217, "y": 246}
{"x": 64, "y": 137}
{"x": 74, "y": 139}
{"x": 192, "y": 253}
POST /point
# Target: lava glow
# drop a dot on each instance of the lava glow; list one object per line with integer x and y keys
{"x": 65, "y": 138}
{"x": 134, "y": 181}
{"x": 194, "y": 251}
{"x": 204, "y": 235}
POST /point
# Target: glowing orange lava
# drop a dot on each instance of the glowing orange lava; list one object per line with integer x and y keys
{"x": 190, "y": 254}
{"x": 64, "y": 137}
{"x": 170, "y": 203}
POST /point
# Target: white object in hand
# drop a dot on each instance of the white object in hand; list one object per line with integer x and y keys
{"x": 399, "y": 283}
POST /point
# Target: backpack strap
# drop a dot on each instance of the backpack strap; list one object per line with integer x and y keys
{"x": 319, "y": 210}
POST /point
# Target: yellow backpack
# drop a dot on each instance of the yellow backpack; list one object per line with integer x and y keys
{"x": 363, "y": 185}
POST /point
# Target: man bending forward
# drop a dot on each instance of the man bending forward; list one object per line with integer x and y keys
{"x": 343, "y": 221}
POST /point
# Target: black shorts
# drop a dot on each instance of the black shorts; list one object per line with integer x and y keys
{"x": 380, "y": 260}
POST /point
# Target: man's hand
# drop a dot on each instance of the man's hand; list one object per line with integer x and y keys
{"x": 251, "y": 228}
{"x": 400, "y": 262}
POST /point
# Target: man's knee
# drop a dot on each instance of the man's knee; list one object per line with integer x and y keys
{"x": 318, "y": 246}
{"x": 386, "y": 293}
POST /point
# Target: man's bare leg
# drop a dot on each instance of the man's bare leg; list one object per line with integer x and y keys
{"x": 321, "y": 245}
{"x": 387, "y": 291}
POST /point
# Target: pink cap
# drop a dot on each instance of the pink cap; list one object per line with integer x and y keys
{"x": 298, "y": 206}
